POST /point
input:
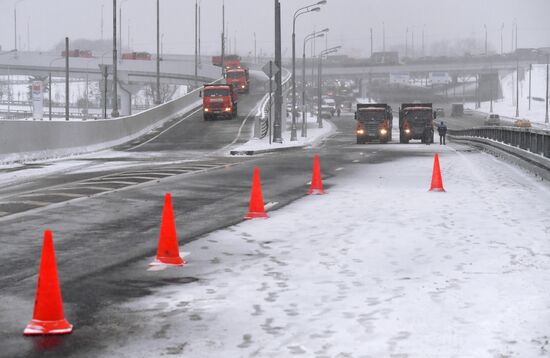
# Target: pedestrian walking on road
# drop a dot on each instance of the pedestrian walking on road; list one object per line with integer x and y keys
{"x": 442, "y": 130}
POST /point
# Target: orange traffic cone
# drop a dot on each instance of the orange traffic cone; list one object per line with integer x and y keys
{"x": 316, "y": 181}
{"x": 437, "y": 182}
{"x": 256, "y": 209}
{"x": 48, "y": 316}
{"x": 168, "y": 252}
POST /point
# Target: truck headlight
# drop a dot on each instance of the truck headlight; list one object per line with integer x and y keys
{"x": 383, "y": 131}
{"x": 243, "y": 86}
{"x": 360, "y": 131}
{"x": 408, "y": 131}
{"x": 228, "y": 109}
{"x": 207, "y": 109}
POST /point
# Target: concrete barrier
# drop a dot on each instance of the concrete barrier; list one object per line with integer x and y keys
{"x": 31, "y": 140}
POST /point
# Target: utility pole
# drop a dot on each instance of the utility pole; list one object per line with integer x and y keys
{"x": 371, "y": 42}
{"x": 114, "y": 113}
{"x": 530, "y": 70}
{"x": 15, "y": 25}
{"x": 407, "y": 42}
{"x": 485, "y": 26}
{"x": 277, "y": 125}
{"x": 196, "y": 43}
{"x": 383, "y": 37}
{"x": 517, "y": 88}
{"x": 158, "y": 101}
{"x": 102, "y": 22}
{"x": 120, "y": 29}
{"x": 223, "y": 39}
{"x": 547, "y": 80}
{"x": 200, "y": 61}
{"x": 66, "y": 78}
{"x": 502, "y": 39}
{"x": 255, "y": 56}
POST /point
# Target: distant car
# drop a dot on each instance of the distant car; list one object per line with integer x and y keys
{"x": 440, "y": 112}
{"x": 326, "y": 111}
{"x": 331, "y": 103}
{"x": 492, "y": 120}
{"x": 522, "y": 123}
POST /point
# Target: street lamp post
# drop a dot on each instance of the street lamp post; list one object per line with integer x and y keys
{"x": 157, "y": 100}
{"x": 299, "y": 12}
{"x": 320, "y": 82}
{"x": 114, "y": 113}
{"x": 485, "y": 26}
{"x": 517, "y": 88}
{"x": 547, "y": 80}
{"x": 312, "y": 36}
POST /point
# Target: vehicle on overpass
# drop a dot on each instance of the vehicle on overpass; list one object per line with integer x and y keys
{"x": 457, "y": 110}
{"x": 239, "y": 79}
{"x": 230, "y": 61}
{"x": 492, "y": 120}
{"x": 522, "y": 123}
{"x": 414, "y": 120}
{"x": 142, "y": 56}
{"x": 78, "y": 53}
{"x": 219, "y": 101}
{"x": 374, "y": 122}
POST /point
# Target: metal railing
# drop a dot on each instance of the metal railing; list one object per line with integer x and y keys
{"x": 532, "y": 140}
{"x": 263, "y": 119}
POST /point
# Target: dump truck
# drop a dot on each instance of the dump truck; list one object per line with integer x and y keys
{"x": 415, "y": 120}
{"x": 219, "y": 101}
{"x": 229, "y": 61}
{"x": 239, "y": 79}
{"x": 374, "y": 122}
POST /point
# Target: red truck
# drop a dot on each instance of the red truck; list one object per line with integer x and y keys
{"x": 230, "y": 61}
{"x": 143, "y": 56}
{"x": 239, "y": 79}
{"x": 219, "y": 101}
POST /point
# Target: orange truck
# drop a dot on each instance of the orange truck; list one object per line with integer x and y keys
{"x": 230, "y": 61}
{"x": 239, "y": 79}
{"x": 219, "y": 101}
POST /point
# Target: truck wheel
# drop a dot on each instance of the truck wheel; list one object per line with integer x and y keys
{"x": 206, "y": 117}
{"x": 360, "y": 141}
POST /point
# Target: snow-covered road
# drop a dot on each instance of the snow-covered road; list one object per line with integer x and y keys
{"x": 379, "y": 267}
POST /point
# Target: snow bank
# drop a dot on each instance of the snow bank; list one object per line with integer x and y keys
{"x": 400, "y": 272}
{"x": 314, "y": 135}
{"x": 506, "y": 107}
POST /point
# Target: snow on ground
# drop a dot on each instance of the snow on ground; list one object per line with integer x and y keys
{"x": 314, "y": 134}
{"x": 507, "y": 106}
{"x": 379, "y": 267}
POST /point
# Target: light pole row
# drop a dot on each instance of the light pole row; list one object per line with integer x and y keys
{"x": 301, "y": 11}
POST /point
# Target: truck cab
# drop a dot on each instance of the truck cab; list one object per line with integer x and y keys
{"x": 374, "y": 122}
{"x": 414, "y": 120}
{"x": 238, "y": 78}
{"x": 219, "y": 101}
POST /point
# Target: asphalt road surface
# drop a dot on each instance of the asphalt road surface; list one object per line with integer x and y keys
{"x": 112, "y": 220}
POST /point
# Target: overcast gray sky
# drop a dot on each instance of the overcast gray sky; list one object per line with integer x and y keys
{"x": 49, "y": 21}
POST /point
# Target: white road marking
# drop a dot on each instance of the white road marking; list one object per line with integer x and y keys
{"x": 46, "y": 193}
{"x": 26, "y": 202}
{"x": 338, "y": 169}
{"x": 167, "y": 129}
{"x": 107, "y": 182}
{"x": 270, "y": 205}
{"x": 356, "y": 161}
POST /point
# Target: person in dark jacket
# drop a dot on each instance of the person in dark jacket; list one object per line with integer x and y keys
{"x": 442, "y": 130}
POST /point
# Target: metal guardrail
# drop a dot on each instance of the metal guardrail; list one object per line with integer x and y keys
{"x": 531, "y": 140}
{"x": 263, "y": 120}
